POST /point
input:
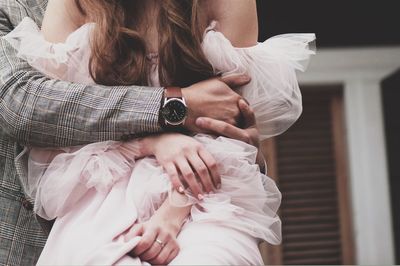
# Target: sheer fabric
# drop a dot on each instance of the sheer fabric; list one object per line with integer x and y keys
{"x": 86, "y": 187}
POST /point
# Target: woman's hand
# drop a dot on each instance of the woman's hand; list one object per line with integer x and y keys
{"x": 158, "y": 245}
{"x": 178, "y": 153}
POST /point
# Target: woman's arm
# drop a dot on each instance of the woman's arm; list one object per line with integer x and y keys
{"x": 237, "y": 20}
{"x": 62, "y": 17}
{"x": 163, "y": 226}
{"x": 272, "y": 64}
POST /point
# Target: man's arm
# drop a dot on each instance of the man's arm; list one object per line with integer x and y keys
{"x": 38, "y": 111}
{"x": 35, "y": 110}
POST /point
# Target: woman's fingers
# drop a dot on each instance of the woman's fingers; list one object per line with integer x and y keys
{"x": 172, "y": 255}
{"x": 162, "y": 257}
{"x": 174, "y": 177}
{"x": 157, "y": 246}
{"x": 146, "y": 242}
{"x": 189, "y": 177}
{"x": 136, "y": 230}
{"x": 212, "y": 166}
{"x": 223, "y": 128}
{"x": 202, "y": 171}
{"x": 161, "y": 242}
{"x": 247, "y": 113}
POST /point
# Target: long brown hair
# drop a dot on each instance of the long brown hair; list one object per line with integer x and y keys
{"x": 119, "y": 52}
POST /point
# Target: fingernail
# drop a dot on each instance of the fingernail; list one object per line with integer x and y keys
{"x": 245, "y": 102}
{"x": 200, "y": 121}
{"x": 180, "y": 189}
{"x": 246, "y": 78}
{"x": 200, "y": 197}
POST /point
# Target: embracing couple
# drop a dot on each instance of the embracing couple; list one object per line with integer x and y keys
{"x": 130, "y": 131}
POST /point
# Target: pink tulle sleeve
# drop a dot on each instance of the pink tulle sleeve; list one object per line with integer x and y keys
{"x": 59, "y": 178}
{"x": 68, "y": 60}
{"x": 273, "y": 92}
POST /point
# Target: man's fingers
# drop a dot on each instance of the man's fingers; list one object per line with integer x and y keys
{"x": 247, "y": 113}
{"x": 234, "y": 81}
{"x": 223, "y": 128}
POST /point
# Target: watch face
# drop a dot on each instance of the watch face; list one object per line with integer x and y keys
{"x": 174, "y": 111}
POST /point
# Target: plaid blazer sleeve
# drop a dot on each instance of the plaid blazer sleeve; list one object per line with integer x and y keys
{"x": 38, "y": 111}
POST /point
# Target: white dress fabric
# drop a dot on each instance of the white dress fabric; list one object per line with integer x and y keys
{"x": 98, "y": 191}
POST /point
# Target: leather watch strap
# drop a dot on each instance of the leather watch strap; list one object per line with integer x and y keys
{"x": 173, "y": 92}
{"x": 169, "y": 93}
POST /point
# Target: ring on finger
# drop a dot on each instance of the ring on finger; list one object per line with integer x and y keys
{"x": 161, "y": 243}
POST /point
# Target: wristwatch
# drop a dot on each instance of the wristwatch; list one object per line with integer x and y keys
{"x": 173, "y": 112}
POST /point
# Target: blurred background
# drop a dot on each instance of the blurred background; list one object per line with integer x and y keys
{"x": 338, "y": 167}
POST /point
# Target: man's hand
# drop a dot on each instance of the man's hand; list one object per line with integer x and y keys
{"x": 214, "y": 98}
{"x": 249, "y": 133}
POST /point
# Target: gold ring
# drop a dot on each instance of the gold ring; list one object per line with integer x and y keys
{"x": 160, "y": 242}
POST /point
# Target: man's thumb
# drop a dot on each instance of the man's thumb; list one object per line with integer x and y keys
{"x": 236, "y": 80}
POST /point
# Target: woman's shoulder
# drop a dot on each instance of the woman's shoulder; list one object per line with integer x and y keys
{"x": 62, "y": 17}
{"x": 237, "y": 19}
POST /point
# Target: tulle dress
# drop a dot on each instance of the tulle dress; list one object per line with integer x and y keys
{"x": 98, "y": 191}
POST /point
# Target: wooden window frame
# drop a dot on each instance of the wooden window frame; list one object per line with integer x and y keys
{"x": 272, "y": 255}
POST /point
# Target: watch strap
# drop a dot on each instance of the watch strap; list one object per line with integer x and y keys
{"x": 170, "y": 93}
{"x": 173, "y": 92}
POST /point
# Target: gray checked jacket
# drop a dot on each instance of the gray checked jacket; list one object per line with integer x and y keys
{"x": 37, "y": 111}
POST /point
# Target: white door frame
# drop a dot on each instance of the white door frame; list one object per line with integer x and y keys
{"x": 360, "y": 71}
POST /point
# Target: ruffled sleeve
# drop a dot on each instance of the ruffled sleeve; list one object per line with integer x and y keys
{"x": 273, "y": 92}
{"x": 59, "y": 178}
{"x": 65, "y": 61}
